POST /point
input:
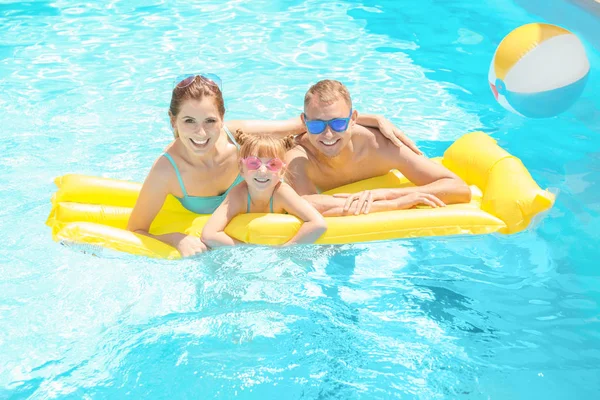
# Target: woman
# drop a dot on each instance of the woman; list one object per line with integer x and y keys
{"x": 200, "y": 166}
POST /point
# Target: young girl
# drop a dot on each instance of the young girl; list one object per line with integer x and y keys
{"x": 263, "y": 190}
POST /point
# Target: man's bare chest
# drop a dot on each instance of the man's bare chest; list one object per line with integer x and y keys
{"x": 325, "y": 177}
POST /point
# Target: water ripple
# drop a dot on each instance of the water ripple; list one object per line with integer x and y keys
{"x": 85, "y": 88}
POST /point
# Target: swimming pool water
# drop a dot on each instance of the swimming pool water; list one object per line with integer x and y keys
{"x": 85, "y": 89}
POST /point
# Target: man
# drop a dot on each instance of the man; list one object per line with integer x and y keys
{"x": 336, "y": 151}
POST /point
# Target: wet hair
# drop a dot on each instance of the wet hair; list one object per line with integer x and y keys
{"x": 199, "y": 88}
{"x": 327, "y": 92}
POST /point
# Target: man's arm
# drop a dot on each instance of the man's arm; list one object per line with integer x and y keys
{"x": 388, "y": 130}
{"x": 429, "y": 178}
{"x": 294, "y": 126}
{"x": 435, "y": 185}
{"x": 335, "y": 206}
{"x": 280, "y": 128}
{"x": 297, "y": 176}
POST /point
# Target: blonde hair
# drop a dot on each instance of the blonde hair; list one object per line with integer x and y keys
{"x": 327, "y": 92}
{"x": 263, "y": 145}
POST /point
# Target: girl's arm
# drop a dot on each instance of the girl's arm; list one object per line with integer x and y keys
{"x": 314, "y": 224}
{"x": 213, "y": 233}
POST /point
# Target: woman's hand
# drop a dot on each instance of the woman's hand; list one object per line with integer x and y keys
{"x": 190, "y": 245}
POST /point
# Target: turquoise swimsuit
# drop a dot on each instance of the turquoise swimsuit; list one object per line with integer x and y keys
{"x": 250, "y": 201}
{"x": 202, "y": 204}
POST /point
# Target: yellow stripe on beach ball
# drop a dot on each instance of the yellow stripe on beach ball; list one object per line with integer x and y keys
{"x": 521, "y": 41}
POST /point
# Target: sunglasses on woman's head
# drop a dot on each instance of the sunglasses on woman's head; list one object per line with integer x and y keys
{"x": 183, "y": 81}
{"x": 318, "y": 126}
{"x": 254, "y": 163}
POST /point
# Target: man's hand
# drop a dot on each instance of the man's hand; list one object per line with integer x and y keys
{"x": 395, "y": 135}
{"x": 414, "y": 199}
{"x": 362, "y": 202}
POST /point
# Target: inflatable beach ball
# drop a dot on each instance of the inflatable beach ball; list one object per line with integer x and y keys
{"x": 539, "y": 70}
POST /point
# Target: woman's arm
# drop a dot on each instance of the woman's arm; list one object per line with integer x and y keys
{"x": 150, "y": 200}
{"x": 314, "y": 225}
{"x": 213, "y": 233}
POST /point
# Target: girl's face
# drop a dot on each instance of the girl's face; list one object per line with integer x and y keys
{"x": 262, "y": 173}
{"x": 198, "y": 124}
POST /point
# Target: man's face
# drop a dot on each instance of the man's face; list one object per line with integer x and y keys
{"x": 329, "y": 142}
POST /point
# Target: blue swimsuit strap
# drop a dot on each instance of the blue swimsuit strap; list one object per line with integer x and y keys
{"x": 231, "y": 136}
{"x": 250, "y": 202}
{"x": 168, "y": 156}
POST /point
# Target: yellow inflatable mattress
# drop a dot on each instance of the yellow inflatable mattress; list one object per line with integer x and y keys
{"x": 94, "y": 211}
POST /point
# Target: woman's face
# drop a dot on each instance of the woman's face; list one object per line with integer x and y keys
{"x": 198, "y": 124}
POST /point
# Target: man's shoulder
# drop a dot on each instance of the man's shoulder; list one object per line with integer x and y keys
{"x": 370, "y": 142}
